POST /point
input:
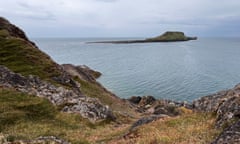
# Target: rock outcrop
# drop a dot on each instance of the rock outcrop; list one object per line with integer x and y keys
{"x": 82, "y": 71}
{"x": 146, "y": 120}
{"x": 70, "y": 101}
{"x": 150, "y": 105}
{"x": 230, "y": 135}
{"x": 226, "y": 104}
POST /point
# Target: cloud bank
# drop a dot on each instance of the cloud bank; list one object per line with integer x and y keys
{"x": 123, "y": 18}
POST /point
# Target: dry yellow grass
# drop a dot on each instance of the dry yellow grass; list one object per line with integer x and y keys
{"x": 20, "y": 119}
{"x": 191, "y": 128}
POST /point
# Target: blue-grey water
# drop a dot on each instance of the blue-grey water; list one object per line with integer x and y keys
{"x": 179, "y": 70}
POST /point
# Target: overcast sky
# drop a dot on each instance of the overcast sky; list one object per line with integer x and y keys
{"x": 123, "y": 18}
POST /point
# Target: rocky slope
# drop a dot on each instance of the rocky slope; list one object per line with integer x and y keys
{"x": 70, "y": 101}
{"x": 72, "y": 89}
{"x": 56, "y": 81}
{"x": 226, "y": 106}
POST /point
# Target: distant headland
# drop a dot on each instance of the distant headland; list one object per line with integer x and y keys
{"x": 169, "y": 36}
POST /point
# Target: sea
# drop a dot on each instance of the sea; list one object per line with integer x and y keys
{"x": 181, "y": 71}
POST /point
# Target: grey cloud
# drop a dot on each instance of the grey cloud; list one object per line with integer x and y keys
{"x": 132, "y": 17}
{"x": 34, "y": 12}
{"x": 107, "y": 0}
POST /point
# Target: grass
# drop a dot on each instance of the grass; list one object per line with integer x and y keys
{"x": 171, "y": 36}
{"x": 197, "y": 128}
{"x": 26, "y": 117}
{"x": 21, "y": 57}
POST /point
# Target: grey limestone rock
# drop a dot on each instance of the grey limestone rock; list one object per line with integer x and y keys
{"x": 70, "y": 100}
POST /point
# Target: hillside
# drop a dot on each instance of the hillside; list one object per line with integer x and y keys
{"x": 44, "y": 102}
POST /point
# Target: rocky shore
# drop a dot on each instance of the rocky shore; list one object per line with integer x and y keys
{"x": 224, "y": 104}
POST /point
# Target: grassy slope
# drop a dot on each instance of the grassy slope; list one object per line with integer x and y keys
{"x": 21, "y": 57}
{"x": 27, "y": 117}
{"x": 16, "y": 117}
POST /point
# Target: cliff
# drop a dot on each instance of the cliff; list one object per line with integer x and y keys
{"x": 44, "y": 102}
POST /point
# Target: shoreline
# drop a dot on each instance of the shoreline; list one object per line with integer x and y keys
{"x": 66, "y": 100}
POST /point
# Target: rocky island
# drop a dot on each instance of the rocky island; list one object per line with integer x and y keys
{"x": 170, "y": 36}
{"x": 43, "y": 102}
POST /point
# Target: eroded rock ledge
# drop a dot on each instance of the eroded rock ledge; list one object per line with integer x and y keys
{"x": 70, "y": 101}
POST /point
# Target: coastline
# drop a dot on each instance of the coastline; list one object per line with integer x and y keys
{"x": 71, "y": 96}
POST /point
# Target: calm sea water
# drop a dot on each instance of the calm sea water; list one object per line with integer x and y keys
{"x": 178, "y": 70}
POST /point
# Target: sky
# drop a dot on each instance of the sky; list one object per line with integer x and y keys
{"x": 123, "y": 18}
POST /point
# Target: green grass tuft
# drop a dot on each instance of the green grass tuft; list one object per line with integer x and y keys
{"x": 24, "y": 117}
{"x": 15, "y": 107}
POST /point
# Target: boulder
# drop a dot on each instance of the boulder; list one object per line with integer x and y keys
{"x": 83, "y": 72}
{"x": 146, "y": 120}
{"x": 134, "y": 99}
{"x": 146, "y": 100}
